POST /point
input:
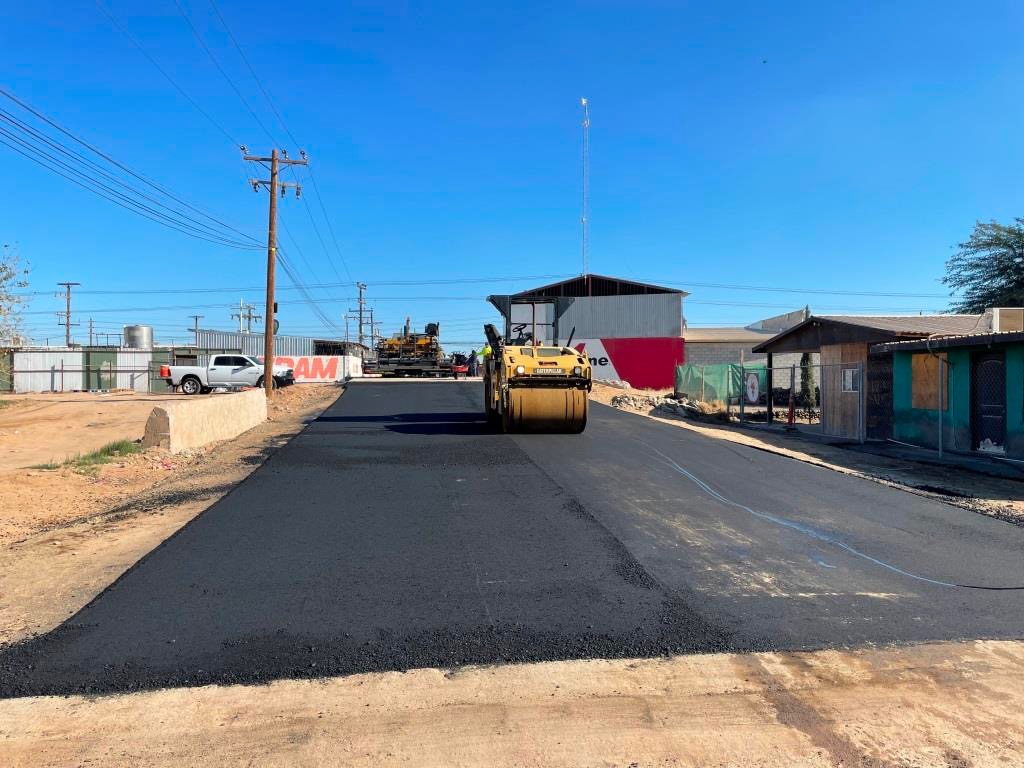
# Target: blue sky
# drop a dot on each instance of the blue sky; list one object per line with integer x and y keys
{"x": 824, "y": 146}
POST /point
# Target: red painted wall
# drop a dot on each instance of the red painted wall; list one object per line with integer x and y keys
{"x": 646, "y": 363}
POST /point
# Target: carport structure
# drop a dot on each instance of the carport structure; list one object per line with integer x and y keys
{"x": 855, "y": 382}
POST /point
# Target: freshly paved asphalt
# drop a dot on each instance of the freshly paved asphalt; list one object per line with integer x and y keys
{"x": 396, "y": 532}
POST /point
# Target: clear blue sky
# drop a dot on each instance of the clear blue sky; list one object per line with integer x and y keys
{"x": 807, "y": 144}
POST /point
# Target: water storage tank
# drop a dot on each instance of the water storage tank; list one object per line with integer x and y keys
{"x": 138, "y": 337}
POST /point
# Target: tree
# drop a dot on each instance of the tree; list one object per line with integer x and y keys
{"x": 12, "y": 277}
{"x": 806, "y": 397}
{"x": 988, "y": 270}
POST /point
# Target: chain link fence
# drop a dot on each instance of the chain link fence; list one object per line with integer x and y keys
{"x": 826, "y": 399}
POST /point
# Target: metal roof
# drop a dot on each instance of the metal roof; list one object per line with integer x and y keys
{"x": 726, "y": 335}
{"x": 912, "y": 324}
{"x": 959, "y": 340}
{"x": 875, "y": 328}
{"x": 598, "y": 285}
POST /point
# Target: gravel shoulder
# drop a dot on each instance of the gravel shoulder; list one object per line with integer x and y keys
{"x": 950, "y": 704}
{"x": 996, "y": 497}
{"x": 66, "y": 535}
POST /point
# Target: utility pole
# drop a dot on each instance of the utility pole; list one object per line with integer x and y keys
{"x": 246, "y": 313}
{"x": 276, "y": 159}
{"x": 359, "y": 310}
{"x": 585, "y": 213}
{"x": 249, "y": 317}
{"x": 66, "y": 314}
{"x": 195, "y": 326}
{"x": 90, "y": 331}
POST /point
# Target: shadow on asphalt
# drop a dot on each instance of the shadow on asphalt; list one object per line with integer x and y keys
{"x": 421, "y": 423}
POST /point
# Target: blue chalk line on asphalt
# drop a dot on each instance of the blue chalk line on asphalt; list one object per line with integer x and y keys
{"x": 812, "y": 532}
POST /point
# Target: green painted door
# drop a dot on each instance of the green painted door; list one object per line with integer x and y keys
{"x": 100, "y": 369}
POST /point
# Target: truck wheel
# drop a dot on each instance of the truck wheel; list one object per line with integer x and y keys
{"x": 259, "y": 383}
{"x": 191, "y": 385}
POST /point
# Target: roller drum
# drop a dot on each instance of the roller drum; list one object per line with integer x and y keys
{"x": 545, "y": 410}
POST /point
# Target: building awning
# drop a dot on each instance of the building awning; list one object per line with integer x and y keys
{"x": 948, "y": 342}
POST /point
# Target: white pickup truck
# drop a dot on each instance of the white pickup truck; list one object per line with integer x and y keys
{"x": 223, "y": 371}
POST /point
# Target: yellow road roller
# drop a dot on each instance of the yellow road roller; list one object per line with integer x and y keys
{"x": 531, "y": 382}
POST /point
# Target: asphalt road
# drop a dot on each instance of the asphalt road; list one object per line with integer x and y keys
{"x": 396, "y": 532}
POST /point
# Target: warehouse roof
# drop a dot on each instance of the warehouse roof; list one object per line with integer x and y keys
{"x": 726, "y": 335}
{"x": 598, "y": 285}
{"x": 817, "y": 330}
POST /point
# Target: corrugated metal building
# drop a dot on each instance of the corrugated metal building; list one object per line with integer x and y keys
{"x": 290, "y": 346}
{"x": 252, "y": 343}
{"x": 630, "y": 331}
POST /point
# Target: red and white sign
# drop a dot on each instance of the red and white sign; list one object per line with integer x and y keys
{"x": 321, "y": 368}
{"x": 646, "y": 363}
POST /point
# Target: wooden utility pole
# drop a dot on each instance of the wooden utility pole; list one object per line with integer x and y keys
{"x": 67, "y": 312}
{"x": 276, "y": 159}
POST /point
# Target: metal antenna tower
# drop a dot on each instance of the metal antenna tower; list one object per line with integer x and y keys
{"x": 585, "y": 213}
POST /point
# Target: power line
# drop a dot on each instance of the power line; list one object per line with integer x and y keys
{"x": 92, "y": 148}
{"x": 296, "y": 142}
{"x": 93, "y": 167}
{"x": 224, "y": 74}
{"x": 371, "y": 283}
{"x": 124, "y": 31}
{"x": 252, "y": 72}
{"x": 132, "y": 206}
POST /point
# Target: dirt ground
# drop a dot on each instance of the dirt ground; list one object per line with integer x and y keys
{"x": 51, "y": 427}
{"x": 947, "y": 704}
{"x": 952, "y": 705}
{"x": 998, "y": 497}
{"x": 65, "y": 535}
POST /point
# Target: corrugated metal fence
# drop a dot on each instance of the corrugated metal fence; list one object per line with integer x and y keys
{"x": 69, "y": 370}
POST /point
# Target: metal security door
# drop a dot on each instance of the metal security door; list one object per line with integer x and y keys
{"x": 988, "y": 402}
{"x": 879, "y": 416}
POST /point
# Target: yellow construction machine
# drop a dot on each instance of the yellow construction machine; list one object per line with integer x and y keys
{"x": 531, "y": 382}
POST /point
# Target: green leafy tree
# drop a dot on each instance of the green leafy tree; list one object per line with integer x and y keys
{"x": 13, "y": 275}
{"x": 988, "y": 269}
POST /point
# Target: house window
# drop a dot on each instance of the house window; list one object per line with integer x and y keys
{"x": 928, "y": 387}
{"x": 851, "y": 380}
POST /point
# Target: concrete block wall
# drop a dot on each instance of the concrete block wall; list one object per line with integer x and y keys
{"x": 716, "y": 352}
{"x": 193, "y": 423}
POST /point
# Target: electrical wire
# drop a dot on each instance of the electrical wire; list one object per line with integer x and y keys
{"x": 134, "y": 41}
{"x": 105, "y": 156}
{"x": 95, "y": 168}
{"x": 158, "y": 218}
{"x": 224, "y": 74}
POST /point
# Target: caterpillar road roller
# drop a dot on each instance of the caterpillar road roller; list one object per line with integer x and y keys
{"x": 531, "y": 382}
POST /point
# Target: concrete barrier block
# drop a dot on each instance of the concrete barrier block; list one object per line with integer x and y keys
{"x": 184, "y": 424}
